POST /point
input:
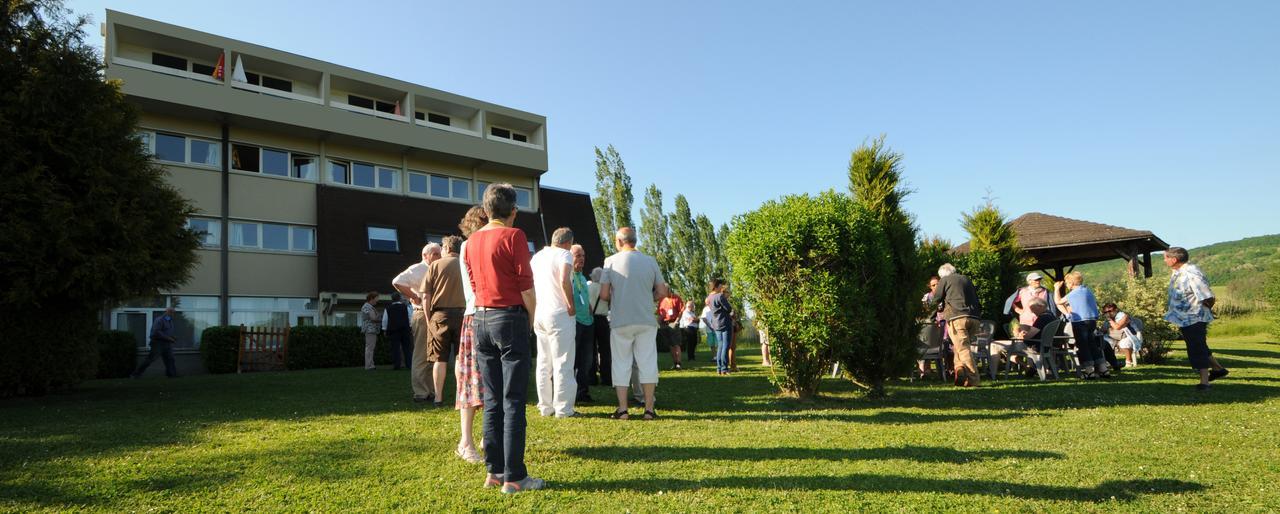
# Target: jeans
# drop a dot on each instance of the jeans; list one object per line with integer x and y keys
{"x": 584, "y": 359}
{"x": 1088, "y": 349}
{"x": 603, "y": 351}
{"x": 163, "y": 350}
{"x": 502, "y": 348}
{"x": 722, "y": 349}
{"x": 401, "y": 342}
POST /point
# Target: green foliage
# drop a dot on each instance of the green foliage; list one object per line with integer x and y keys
{"x": 1145, "y": 299}
{"x": 219, "y": 348}
{"x": 688, "y": 273}
{"x": 933, "y": 251}
{"x": 654, "y": 232}
{"x": 710, "y": 243}
{"x": 984, "y": 268}
{"x": 313, "y": 347}
{"x": 995, "y": 260}
{"x": 876, "y": 182}
{"x": 117, "y": 354}
{"x": 88, "y": 219}
{"x": 1271, "y": 293}
{"x": 612, "y": 203}
{"x": 812, "y": 269}
{"x": 989, "y": 229}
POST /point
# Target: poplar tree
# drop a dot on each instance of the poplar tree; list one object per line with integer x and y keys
{"x": 653, "y": 232}
{"x": 612, "y": 203}
{"x": 689, "y": 258}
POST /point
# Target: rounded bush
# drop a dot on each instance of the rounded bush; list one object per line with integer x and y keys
{"x": 117, "y": 354}
{"x": 219, "y": 349}
{"x": 40, "y": 358}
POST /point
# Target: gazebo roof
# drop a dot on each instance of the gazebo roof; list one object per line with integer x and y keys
{"x": 1055, "y": 241}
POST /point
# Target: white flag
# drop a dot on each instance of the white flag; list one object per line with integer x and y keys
{"x": 238, "y": 73}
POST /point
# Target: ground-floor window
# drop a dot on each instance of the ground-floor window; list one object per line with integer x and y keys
{"x": 253, "y": 311}
{"x": 192, "y": 314}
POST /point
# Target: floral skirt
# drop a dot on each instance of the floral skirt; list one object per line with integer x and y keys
{"x": 467, "y": 370}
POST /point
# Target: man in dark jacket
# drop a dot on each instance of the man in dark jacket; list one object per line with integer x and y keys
{"x": 960, "y": 308}
{"x": 162, "y": 339}
{"x": 399, "y": 335}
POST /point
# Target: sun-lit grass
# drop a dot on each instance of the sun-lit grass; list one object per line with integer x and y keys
{"x": 349, "y": 440}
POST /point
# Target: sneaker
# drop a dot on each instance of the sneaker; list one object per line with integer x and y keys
{"x": 1203, "y": 387}
{"x": 470, "y": 455}
{"x": 528, "y": 484}
{"x": 574, "y": 414}
{"x": 1218, "y": 373}
{"x": 491, "y": 480}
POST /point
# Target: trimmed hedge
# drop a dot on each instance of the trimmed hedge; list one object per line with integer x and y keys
{"x": 218, "y": 349}
{"x": 117, "y": 354}
{"x": 310, "y": 347}
{"x": 40, "y": 357}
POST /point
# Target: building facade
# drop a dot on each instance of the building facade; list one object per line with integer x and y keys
{"x": 313, "y": 182}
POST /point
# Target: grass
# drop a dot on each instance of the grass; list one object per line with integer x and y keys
{"x": 349, "y": 440}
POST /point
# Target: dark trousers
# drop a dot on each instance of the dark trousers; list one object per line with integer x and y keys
{"x": 604, "y": 363}
{"x": 1108, "y": 352}
{"x": 502, "y": 347}
{"x": 401, "y": 342}
{"x": 584, "y": 358}
{"x": 1196, "y": 335}
{"x": 1087, "y": 350}
{"x": 164, "y": 351}
{"x": 690, "y": 340}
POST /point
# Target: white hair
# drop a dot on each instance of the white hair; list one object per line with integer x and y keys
{"x": 432, "y": 248}
{"x": 595, "y": 274}
{"x": 946, "y": 269}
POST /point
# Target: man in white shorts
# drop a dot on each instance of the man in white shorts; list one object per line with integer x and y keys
{"x": 632, "y": 283}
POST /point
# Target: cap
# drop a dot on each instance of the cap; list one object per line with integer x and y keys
{"x": 1034, "y": 275}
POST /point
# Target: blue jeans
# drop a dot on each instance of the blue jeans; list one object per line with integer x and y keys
{"x": 722, "y": 349}
{"x": 502, "y": 355}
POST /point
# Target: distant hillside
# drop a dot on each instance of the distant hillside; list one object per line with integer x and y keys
{"x": 1235, "y": 269}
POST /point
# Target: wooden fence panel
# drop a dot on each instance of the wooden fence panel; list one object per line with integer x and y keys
{"x": 263, "y": 349}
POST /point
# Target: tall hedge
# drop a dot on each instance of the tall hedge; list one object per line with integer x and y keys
{"x": 310, "y": 347}
{"x": 88, "y": 220}
{"x": 117, "y": 354}
{"x": 812, "y": 269}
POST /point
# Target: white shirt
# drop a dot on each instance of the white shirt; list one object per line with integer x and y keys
{"x": 411, "y": 277}
{"x": 466, "y": 281}
{"x": 706, "y": 313}
{"x": 599, "y": 307}
{"x": 687, "y": 319}
{"x": 551, "y": 267}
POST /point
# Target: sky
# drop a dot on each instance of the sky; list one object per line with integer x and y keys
{"x": 1161, "y": 116}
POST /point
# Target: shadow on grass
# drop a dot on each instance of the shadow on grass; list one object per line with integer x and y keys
{"x": 914, "y": 453}
{"x": 1256, "y": 354}
{"x": 878, "y": 418}
{"x": 1120, "y": 490}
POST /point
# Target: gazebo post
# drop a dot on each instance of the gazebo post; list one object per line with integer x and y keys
{"x": 1146, "y": 264}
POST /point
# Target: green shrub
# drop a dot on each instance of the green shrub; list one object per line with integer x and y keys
{"x": 117, "y": 354}
{"x": 40, "y": 357}
{"x": 219, "y": 349}
{"x": 313, "y": 347}
{"x": 1271, "y": 295}
{"x": 1146, "y": 299}
{"x": 812, "y": 268}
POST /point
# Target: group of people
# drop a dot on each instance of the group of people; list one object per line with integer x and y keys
{"x": 958, "y": 314}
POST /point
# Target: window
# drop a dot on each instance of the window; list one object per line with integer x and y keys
{"x": 461, "y": 189}
{"x": 338, "y": 172}
{"x": 203, "y": 69}
{"x": 419, "y": 115}
{"x": 524, "y": 198}
{"x": 274, "y": 312}
{"x": 252, "y": 78}
{"x": 171, "y": 148}
{"x": 382, "y": 239}
{"x": 438, "y": 118}
{"x": 247, "y": 235}
{"x": 207, "y": 230}
{"x": 275, "y": 237}
{"x": 382, "y": 106}
{"x": 168, "y": 61}
{"x": 245, "y": 158}
{"x": 481, "y": 186}
{"x": 278, "y": 84}
{"x": 439, "y": 186}
{"x": 275, "y": 162}
{"x": 304, "y": 167}
{"x": 205, "y": 152}
{"x": 519, "y": 137}
{"x": 417, "y": 183}
{"x": 360, "y": 101}
{"x": 435, "y": 238}
{"x": 192, "y": 315}
{"x": 362, "y": 175}
{"x": 500, "y": 132}
{"x": 387, "y": 178}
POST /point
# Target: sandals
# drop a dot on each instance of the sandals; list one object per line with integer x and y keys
{"x": 650, "y": 415}
{"x": 620, "y": 414}
{"x": 468, "y": 454}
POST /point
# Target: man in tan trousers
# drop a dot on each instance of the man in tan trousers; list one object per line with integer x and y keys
{"x": 960, "y": 308}
{"x": 407, "y": 282}
{"x": 444, "y": 304}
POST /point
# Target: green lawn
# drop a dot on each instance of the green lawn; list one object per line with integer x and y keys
{"x": 350, "y": 440}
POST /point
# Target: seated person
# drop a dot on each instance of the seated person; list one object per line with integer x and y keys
{"x": 1026, "y": 337}
{"x": 1120, "y": 334}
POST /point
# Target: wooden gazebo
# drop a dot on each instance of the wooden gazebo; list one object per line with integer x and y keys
{"x": 1056, "y": 244}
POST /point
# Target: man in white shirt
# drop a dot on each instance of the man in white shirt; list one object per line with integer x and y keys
{"x": 554, "y": 325}
{"x": 405, "y": 282}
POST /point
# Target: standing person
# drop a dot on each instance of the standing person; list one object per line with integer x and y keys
{"x": 632, "y": 282}
{"x": 600, "y": 324}
{"x": 162, "y": 340}
{"x": 959, "y": 301}
{"x": 669, "y": 310}
{"x": 584, "y": 333}
{"x": 720, "y": 321}
{"x": 704, "y": 320}
{"x": 498, "y": 267}
{"x": 1191, "y": 310}
{"x": 370, "y": 325}
{"x": 395, "y": 324}
{"x": 466, "y": 371}
{"x": 733, "y": 341}
{"x": 764, "y": 344}
{"x": 1081, "y": 308}
{"x": 444, "y": 303}
{"x": 406, "y": 283}
{"x": 689, "y": 328}
{"x": 555, "y": 327}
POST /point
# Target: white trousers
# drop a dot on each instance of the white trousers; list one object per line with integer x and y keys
{"x": 553, "y": 376}
{"x": 638, "y": 345}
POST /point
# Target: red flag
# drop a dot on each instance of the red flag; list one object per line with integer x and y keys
{"x": 217, "y": 70}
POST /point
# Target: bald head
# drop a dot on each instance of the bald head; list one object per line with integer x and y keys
{"x": 625, "y": 238}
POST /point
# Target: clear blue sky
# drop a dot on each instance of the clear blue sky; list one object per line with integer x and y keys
{"x": 1152, "y": 115}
